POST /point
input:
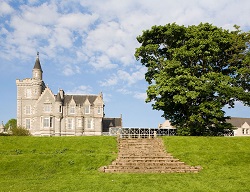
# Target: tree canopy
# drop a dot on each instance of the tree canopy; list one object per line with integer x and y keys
{"x": 12, "y": 123}
{"x": 195, "y": 71}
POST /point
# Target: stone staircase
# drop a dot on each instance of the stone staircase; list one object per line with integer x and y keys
{"x": 146, "y": 156}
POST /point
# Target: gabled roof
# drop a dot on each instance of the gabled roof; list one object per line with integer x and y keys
{"x": 238, "y": 121}
{"x": 79, "y": 99}
{"x": 45, "y": 91}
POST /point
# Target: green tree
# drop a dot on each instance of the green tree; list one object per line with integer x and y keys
{"x": 12, "y": 123}
{"x": 15, "y": 130}
{"x": 193, "y": 72}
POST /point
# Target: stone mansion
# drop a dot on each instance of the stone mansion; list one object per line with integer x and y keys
{"x": 46, "y": 114}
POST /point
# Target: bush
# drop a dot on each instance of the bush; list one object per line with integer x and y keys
{"x": 20, "y": 131}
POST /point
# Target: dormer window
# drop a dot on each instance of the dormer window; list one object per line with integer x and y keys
{"x": 99, "y": 110}
{"x": 87, "y": 109}
{"x": 72, "y": 109}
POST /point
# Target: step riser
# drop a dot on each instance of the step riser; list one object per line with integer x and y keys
{"x": 146, "y": 164}
{"x": 149, "y": 171}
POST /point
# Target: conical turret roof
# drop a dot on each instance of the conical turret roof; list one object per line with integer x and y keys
{"x": 37, "y": 63}
{"x": 58, "y": 97}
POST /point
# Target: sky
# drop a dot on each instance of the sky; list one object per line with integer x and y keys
{"x": 87, "y": 47}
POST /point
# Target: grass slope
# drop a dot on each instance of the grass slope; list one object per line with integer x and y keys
{"x": 71, "y": 164}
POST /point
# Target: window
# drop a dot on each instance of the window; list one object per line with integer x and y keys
{"x": 79, "y": 122}
{"x": 27, "y": 109}
{"x": 87, "y": 109}
{"x": 243, "y": 131}
{"x": 70, "y": 124}
{"x": 72, "y": 109}
{"x": 27, "y": 123}
{"x": 28, "y": 93}
{"x": 47, "y": 122}
{"x": 89, "y": 123}
{"x": 47, "y": 108}
{"x": 99, "y": 110}
{"x": 247, "y": 131}
{"x": 60, "y": 108}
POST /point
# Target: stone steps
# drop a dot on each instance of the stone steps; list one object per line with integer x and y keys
{"x": 146, "y": 156}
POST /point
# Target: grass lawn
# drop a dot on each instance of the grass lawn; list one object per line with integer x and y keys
{"x": 71, "y": 164}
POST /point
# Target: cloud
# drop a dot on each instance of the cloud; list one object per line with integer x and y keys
{"x": 45, "y": 28}
{"x": 108, "y": 40}
{"x": 32, "y": 2}
{"x": 107, "y": 97}
{"x": 70, "y": 70}
{"x": 61, "y": 37}
{"x": 102, "y": 62}
{"x": 22, "y": 29}
{"x": 125, "y": 77}
{"x": 5, "y": 9}
{"x": 102, "y": 33}
{"x": 138, "y": 95}
{"x": 124, "y": 91}
{"x": 132, "y": 76}
{"x": 77, "y": 21}
{"x": 46, "y": 14}
{"x": 82, "y": 89}
{"x": 109, "y": 82}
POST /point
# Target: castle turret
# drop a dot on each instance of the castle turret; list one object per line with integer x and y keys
{"x": 28, "y": 91}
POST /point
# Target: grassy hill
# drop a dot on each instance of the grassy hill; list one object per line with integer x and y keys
{"x": 71, "y": 164}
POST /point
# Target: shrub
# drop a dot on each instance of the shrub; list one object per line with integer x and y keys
{"x": 20, "y": 131}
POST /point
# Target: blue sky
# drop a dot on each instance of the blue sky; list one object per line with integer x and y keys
{"x": 87, "y": 47}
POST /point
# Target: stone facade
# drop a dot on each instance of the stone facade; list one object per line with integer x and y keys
{"x": 48, "y": 114}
